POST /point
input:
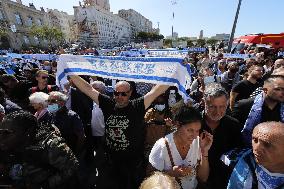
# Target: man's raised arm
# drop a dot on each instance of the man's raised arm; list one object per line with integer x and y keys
{"x": 85, "y": 87}
{"x": 153, "y": 94}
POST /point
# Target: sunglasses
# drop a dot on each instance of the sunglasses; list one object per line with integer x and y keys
{"x": 44, "y": 77}
{"x": 120, "y": 93}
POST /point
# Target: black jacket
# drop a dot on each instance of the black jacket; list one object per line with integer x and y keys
{"x": 242, "y": 109}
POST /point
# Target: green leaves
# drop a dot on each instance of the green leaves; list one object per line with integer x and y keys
{"x": 212, "y": 42}
{"x": 200, "y": 42}
{"x": 3, "y": 28}
{"x": 51, "y": 34}
{"x": 146, "y": 36}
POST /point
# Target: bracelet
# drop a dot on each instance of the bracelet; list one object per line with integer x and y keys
{"x": 205, "y": 156}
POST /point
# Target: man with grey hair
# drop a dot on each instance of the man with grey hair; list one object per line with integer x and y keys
{"x": 124, "y": 130}
{"x": 67, "y": 121}
{"x": 278, "y": 63}
{"x": 99, "y": 86}
{"x": 225, "y": 130}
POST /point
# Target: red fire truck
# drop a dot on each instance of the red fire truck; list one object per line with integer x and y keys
{"x": 273, "y": 40}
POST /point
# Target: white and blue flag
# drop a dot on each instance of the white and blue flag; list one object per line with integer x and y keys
{"x": 156, "y": 70}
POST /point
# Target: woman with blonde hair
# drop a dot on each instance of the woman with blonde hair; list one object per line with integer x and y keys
{"x": 159, "y": 180}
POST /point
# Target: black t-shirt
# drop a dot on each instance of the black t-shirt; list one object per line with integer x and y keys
{"x": 245, "y": 89}
{"x": 226, "y": 137}
{"x": 125, "y": 129}
{"x": 270, "y": 115}
{"x": 69, "y": 125}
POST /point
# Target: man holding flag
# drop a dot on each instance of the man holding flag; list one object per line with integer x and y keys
{"x": 125, "y": 130}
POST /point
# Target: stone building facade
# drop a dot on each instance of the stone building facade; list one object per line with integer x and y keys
{"x": 101, "y": 4}
{"x": 92, "y": 24}
{"x": 16, "y": 20}
{"x": 138, "y": 22}
{"x": 62, "y": 21}
{"x": 100, "y": 28}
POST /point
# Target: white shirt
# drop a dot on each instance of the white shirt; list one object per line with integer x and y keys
{"x": 97, "y": 123}
{"x": 68, "y": 102}
{"x": 160, "y": 159}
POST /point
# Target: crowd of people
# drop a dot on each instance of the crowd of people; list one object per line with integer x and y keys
{"x": 92, "y": 134}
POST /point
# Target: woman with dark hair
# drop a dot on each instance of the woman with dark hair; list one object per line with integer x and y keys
{"x": 183, "y": 154}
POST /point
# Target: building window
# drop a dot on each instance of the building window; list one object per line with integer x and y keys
{"x": 1, "y": 15}
{"x": 29, "y": 21}
{"x": 26, "y": 39}
{"x": 36, "y": 40}
{"x": 18, "y": 19}
{"x": 39, "y": 22}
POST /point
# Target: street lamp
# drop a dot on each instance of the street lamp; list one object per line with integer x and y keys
{"x": 173, "y": 2}
{"x": 234, "y": 26}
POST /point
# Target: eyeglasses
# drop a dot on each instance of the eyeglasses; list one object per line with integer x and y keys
{"x": 120, "y": 93}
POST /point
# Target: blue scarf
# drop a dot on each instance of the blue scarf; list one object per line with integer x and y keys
{"x": 247, "y": 168}
{"x": 254, "y": 118}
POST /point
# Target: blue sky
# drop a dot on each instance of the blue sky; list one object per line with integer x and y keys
{"x": 191, "y": 16}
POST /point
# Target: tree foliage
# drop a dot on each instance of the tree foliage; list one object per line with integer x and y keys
{"x": 51, "y": 34}
{"x": 2, "y": 32}
{"x": 168, "y": 42}
{"x": 148, "y": 36}
{"x": 212, "y": 42}
{"x": 200, "y": 42}
{"x": 3, "y": 28}
{"x": 183, "y": 39}
{"x": 190, "y": 43}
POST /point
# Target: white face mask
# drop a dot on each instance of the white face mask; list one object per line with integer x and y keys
{"x": 160, "y": 107}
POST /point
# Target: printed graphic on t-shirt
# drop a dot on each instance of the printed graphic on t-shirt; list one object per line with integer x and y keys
{"x": 116, "y": 128}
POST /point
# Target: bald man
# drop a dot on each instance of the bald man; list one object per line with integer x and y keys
{"x": 278, "y": 63}
{"x": 263, "y": 166}
{"x": 124, "y": 129}
{"x": 279, "y": 71}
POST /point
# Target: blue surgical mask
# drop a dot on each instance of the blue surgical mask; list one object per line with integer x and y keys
{"x": 52, "y": 108}
{"x": 160, "y": 107}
